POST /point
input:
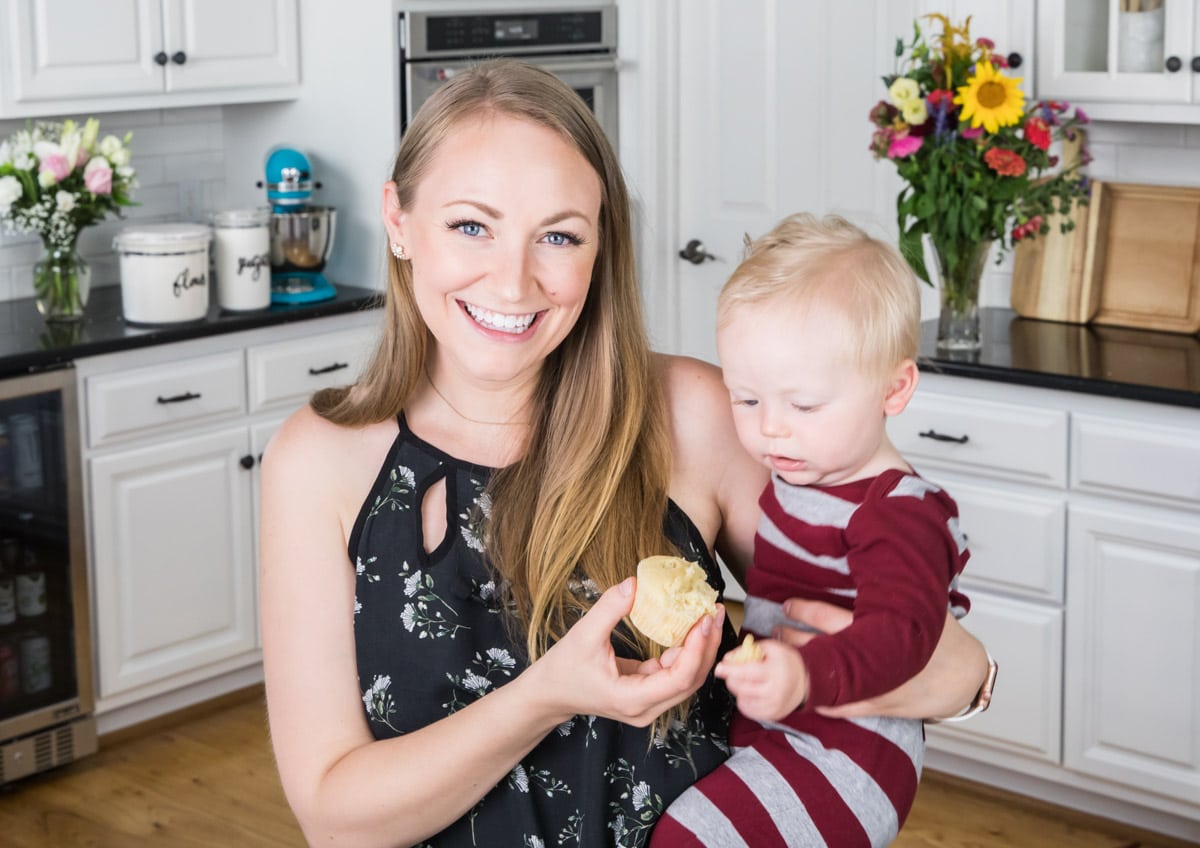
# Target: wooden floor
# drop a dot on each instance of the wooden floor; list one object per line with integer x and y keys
{"x": 206, "y": 778}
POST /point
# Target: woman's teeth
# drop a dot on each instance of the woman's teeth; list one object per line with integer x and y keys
{"x": 514, "y": 324}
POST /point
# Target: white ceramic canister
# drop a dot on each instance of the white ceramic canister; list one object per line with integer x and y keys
{"x": 164, "y": 272}
{"x": 242, "y": 249}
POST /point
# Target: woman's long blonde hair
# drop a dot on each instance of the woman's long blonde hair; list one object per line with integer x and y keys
{"x": 590, "y": 493}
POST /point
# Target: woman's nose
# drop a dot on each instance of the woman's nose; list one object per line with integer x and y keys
{"x": 514, "y": 278}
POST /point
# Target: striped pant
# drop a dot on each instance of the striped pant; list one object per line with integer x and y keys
{"x": 848, "y": 783}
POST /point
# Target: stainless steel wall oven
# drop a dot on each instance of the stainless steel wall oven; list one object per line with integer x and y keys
{"x": 576, "y": 43}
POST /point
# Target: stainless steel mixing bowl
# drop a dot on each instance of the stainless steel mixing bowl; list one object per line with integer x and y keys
{"x": 301, "y": 241}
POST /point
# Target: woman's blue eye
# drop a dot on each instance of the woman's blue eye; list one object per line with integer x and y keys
{"x": 468, "y": 228}
{"x": 562, "y": 239}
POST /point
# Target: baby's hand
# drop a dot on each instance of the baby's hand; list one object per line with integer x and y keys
{"x": 767, "y": 689}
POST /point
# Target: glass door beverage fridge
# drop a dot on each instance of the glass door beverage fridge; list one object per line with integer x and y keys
{"x": 46, "y": 697}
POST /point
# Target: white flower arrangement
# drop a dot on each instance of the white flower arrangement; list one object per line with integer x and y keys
{"x": 57, "y": 178}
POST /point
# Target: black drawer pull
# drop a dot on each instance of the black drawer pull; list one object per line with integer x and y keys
{"x": 941, "y": 437}
{"x": 247, "y": 461}
{"x": 179, "y": 398}
{"x": 337, "y": 366}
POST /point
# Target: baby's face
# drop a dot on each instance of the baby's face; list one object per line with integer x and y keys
{"x": 801, "y": 405}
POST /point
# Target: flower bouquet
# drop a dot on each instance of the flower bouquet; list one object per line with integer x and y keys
{"x": 56, "y": 179}
{"x": 976, "y": 161}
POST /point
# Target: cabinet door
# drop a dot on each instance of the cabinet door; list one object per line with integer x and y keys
{"x": 173, "y": 558}
{"x": 1025, "y": 714}
{"x": 1132, "y": 708}
{"x": 230, "y": 43}
{"x": 1093, "y": 50}
{"x": 63, "y": 49}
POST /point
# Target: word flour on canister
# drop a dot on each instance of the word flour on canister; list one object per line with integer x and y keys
{"x": 242, "y": 253}
{"x": 164, "y": 272}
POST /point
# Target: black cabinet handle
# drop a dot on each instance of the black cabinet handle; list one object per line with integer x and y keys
{"x": 1015, "y": 60}
{"x": 1196, "y": 64}
{"x": 160, "y": 58}
{"x": 337, "y": 366}
{"x": 1174, "y": 63}
{"x": 942, "y": 437}
{"x": 179, "y": 57}
{"x": 246, "y": 462}
{"x": 179, "y": 398}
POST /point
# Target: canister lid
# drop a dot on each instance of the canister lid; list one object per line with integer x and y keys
{"x": 258, "y": 216}
{"x": 162, "y": 238}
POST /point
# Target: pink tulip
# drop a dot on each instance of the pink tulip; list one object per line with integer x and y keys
{"x": 57, "y": 165}
{"x": 97, "y": 176}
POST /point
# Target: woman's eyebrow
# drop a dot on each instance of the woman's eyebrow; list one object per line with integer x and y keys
{"x": 478, "y": 204}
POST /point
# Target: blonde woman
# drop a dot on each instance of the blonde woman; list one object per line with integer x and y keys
{"x": 448, "y": 545}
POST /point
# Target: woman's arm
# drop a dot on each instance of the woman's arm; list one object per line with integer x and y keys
{"x": 346, "y": 788}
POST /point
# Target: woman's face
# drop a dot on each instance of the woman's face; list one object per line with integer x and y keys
{"x": 502, "y": 234}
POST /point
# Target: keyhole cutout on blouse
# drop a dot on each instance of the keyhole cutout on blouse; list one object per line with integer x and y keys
{"x": 433, "y": 515}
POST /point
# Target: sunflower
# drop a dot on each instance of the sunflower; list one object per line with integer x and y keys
{"x": 991, "y": 99}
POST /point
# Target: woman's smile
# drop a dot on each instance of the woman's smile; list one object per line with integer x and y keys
{"x": 514, "y": 325}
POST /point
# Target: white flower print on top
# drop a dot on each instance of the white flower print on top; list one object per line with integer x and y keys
{"x": 637, "y": 809}
{"x": 378, "y": 701}
{"x": 426, "y": 615}
{"x": 475, "y": 517}
{"x": 477, "y": 681}
{"x": 524, "y": 780}
{"x": 400, "y": 493}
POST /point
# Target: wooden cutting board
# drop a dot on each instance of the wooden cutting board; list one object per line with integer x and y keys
{"x": 1148, "y": 274}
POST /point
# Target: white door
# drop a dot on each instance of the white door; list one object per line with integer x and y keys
{"x": 172, "y": 558}
{"x": 1131, "y": 711}
{"x": 64, "y": 49}
{"x": 773, "y": 106}
{"x": 230, "y": 43}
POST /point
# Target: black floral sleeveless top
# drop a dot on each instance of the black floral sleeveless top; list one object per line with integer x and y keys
{"x": 431, "y": 638}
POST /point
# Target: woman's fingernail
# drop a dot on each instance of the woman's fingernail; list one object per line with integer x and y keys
{"x": 706, "y": 625}
{"x": 626, "y": 586}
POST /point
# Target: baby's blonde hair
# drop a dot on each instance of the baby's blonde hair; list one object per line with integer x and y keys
{"x": 829, "y": 261}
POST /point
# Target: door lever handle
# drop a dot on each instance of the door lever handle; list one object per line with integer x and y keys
{"x": 695, "y": 253}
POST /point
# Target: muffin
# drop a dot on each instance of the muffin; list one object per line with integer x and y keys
{"x": 672, "y": 595}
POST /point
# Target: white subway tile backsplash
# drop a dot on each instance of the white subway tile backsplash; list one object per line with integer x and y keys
{"x": 1156, "y": 135}
{"x": 180, "y": 161}
{"x": 1158, "y": 165}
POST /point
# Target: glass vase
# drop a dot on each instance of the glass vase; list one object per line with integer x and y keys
{"x": 960, "y": 268}
{"x": 61, "y": 281}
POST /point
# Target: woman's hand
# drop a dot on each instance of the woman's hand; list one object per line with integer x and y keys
{"x": 767, "y": 689}
{"x": 948, "y": 682}
{"x": 582, "y": 673}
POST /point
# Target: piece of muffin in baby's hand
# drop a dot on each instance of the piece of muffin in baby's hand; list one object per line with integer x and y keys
{"x": 672, "y": 595}
{"x": 747, "y": 652}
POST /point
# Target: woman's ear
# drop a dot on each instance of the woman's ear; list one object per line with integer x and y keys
{"x": 393, "y": 215}
{"x": 901, "y": 387}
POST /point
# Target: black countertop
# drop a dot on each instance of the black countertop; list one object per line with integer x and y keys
{"x": 1088, "y": 358}
{"x": 29, "y": 343}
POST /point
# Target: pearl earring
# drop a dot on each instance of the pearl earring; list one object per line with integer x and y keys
{"x": 398, "y": 251}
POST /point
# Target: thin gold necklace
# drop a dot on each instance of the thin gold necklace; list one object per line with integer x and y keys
{"x": 457, "y": 412}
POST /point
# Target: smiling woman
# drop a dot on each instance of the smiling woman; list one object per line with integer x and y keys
{"x": 448, "y": 546}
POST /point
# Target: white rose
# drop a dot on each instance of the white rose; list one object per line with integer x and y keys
{"x": 109, "y": 145}
{"x": 24, "y": 161}
{"x": 6, "y": 154}
{"x": 65, "y": 201}
{"x": 125, "y": 172}
{"x": 10, "y": 193}
{"x": 915, "y": 112}
{"x": 42, "y": 149}
{"x": 46, "y": 179}
{"x": 120, "y": 157}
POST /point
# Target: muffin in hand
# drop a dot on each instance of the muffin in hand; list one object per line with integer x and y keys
{"x": 672, "y": 595}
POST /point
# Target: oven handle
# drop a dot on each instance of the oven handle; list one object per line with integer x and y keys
{"x": 610, "y": 64}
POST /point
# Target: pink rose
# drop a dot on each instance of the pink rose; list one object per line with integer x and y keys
{"x": 906, "y": 146}
{"x": 57, "y": 165}
{"x": 97, "y": 176}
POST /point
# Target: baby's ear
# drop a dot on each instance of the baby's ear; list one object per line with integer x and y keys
{"x": 900, "y": 387}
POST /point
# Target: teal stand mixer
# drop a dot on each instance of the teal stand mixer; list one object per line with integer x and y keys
{"x": 301, "y": 232}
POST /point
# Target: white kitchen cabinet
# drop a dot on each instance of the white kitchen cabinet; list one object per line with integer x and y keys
{"x": 172, "y": 535}
{"x": 1139, "y": 65}
{"x": 69, "y": 56}
{"x": 1133, "y": 647}
{"x": 174, "y": 437}
{"x": 1082, "y": 514}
